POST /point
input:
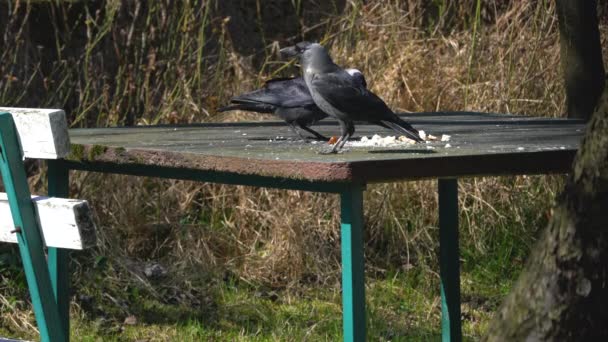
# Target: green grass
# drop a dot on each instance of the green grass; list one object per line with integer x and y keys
{"x": 401, "y": 307}
{"x": 397, "y": 311}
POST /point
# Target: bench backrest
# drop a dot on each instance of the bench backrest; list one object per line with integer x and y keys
{"x": 64, "y": 223}
{"x": 43, "y": 133}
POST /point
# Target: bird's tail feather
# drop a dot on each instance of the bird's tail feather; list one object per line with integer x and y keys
{"x": 228, "y": 108}
{"x": 250, "y": 106}
{"x": 404, "y": 128}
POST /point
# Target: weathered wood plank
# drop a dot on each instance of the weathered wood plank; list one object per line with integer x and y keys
{"x": 65, "y": 223}
{"x": 43, "y": 133}
{"x": 481, "y": 144}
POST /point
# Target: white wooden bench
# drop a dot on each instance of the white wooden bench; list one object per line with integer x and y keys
{"x": 39, "y": 223}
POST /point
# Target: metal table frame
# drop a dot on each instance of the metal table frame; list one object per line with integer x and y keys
{"x": 353, "y": 263}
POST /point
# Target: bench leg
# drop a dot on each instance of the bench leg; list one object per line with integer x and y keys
{"x": 449, "y": 260}
{"x": 58, "y": 258}
{"x": 31, "y": 245}
{"x": 353, "y": 276}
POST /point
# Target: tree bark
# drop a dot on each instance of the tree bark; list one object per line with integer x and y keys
{"x": 581, "y": 55}
{"x": 562, "y": 295}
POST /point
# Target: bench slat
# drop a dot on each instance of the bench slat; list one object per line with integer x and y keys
{"x": 65, "y": 223}
{"x": 43, "y": 133}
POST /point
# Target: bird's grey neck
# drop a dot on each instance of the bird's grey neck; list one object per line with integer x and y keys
{"x": 319, "y": 64}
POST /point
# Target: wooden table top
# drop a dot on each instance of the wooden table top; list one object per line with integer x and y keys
{"x": 480, "y": 144}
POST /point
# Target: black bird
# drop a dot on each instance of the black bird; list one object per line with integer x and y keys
{"x": 289, "y": 99}
{"x": 339, "y": 95}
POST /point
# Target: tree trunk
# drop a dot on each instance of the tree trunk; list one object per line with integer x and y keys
{"x": 581, "y": 55}
{"x": 562, "y": 295}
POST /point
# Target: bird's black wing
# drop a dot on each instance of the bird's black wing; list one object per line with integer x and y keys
{"x": 280, "y": 82}
{"x": 282, "y": 92}
{"x": 294, "y": 92}
{"x": 354, "y": 100}
{"x": 358, "y": 77}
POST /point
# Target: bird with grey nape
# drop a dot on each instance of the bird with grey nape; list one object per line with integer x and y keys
{"x": 339, "y": 95}
{"x": 289, "y": 99}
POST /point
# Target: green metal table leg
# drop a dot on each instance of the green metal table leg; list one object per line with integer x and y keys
{"x": 449, "y": 260}
{"x": 353, "y": 272}
{"x": 58, "y": 258}
{"x": 31, "y": 246}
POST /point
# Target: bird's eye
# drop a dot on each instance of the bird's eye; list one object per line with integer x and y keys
{"x": 302, "y": 46}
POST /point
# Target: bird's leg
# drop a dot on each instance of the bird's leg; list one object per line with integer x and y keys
{"x": 296, "y": 131}
{"x": 345, "y": 127}
{"x": 344, "y": 131}
{"x": 315, "y": 133}
{"x": 350, "y": 130}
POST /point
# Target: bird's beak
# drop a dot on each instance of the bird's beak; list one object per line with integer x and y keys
{"x": 289, "y": 52}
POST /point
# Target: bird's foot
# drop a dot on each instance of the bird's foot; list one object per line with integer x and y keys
{"x": 331, "y": 151}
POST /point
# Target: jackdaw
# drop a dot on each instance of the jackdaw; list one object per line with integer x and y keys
{"x": 289, "y": 99}
{"x": 339, "y": 95}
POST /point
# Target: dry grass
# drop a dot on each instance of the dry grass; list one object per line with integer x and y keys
{"x": 159, "y": 63}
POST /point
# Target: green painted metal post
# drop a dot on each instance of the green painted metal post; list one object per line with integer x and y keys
{"x": 449, "y": 260}
{"x": 58, "y": 258}
{"x": 353, "y": 269}
{"x": 31, "y": 246}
